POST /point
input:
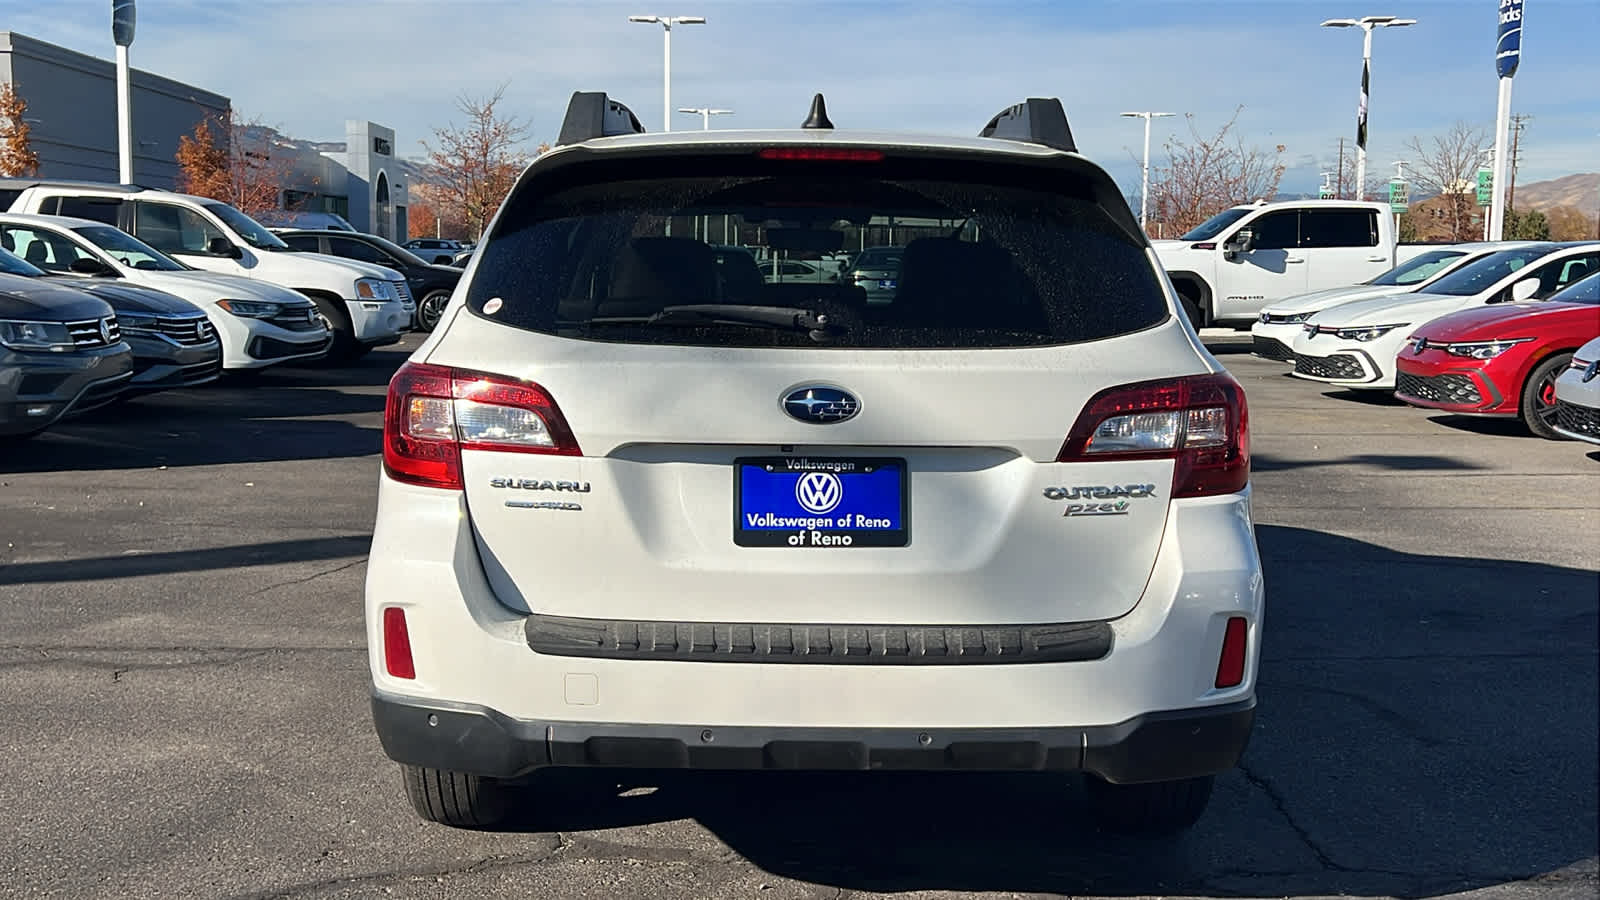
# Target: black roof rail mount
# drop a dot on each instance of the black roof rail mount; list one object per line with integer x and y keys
{"x": 591, "y": 114}
{"x": 1035, "y": 120}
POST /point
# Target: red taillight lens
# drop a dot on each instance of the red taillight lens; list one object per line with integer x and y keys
{"x": 822, "y": 154}
{"x": 435, "y": 412}
{"x": 1201, "y": 422}
{"x": 397, "y": 644}
{"x": 1230, "y": 667}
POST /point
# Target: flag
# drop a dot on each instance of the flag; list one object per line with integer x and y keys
{"x": 1508, "y": 38}
{"x": 1361, "y": 114}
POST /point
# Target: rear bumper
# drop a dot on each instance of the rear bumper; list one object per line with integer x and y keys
{"x": 1159, "y": 746}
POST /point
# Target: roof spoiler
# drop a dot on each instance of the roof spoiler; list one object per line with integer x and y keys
{"x": 1035, "y": 120}
{"x": 591, "y": 114}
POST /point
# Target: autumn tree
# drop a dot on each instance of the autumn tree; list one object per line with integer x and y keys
{"x": 1568, "y": 223}
{"x": 16, "y": 156}
{"x": 1207, "y": 173}
{"x": 474, "y": 165}
{"x": 239, "y": 171}
{"x": 1448, "y": 167}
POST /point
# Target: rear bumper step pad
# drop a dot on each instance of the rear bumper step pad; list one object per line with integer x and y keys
{"x": 884, "y": 645}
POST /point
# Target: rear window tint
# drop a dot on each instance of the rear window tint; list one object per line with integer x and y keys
{"x": 964, "y": 263}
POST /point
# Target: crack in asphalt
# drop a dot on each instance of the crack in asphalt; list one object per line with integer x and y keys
{"x": 117, "y": 658}
{"x": 485, "y": 864}
{"x": 313, "y": 577}
{"x": 1380, "y": 710}
{"x": 1261, "y": 783}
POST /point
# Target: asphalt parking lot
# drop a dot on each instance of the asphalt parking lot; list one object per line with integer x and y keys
{"x": 183, "y": 686}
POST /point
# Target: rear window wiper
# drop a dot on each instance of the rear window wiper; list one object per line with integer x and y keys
{"x": 787, "y": 318}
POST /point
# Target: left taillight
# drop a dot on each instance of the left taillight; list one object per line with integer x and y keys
{"x": 1200, "y": 422}
{"x": 435, "y": 412}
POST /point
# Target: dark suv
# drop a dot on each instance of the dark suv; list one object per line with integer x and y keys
{"x": 430, "y": 284}
{"x": 61, "y": 353}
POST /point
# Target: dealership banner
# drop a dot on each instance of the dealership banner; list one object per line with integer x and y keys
{"x": 1508, "y": 46}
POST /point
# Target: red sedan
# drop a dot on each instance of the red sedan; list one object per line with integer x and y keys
{"x": 1500, "y": 360}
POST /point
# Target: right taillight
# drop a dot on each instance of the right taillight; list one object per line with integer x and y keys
{"x": 1200, "y": 422}
{"x": 435, "y": 412}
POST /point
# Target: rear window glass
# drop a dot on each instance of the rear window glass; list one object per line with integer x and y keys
{"x": 938, "y": 263}
{"x": 1419, "y": 268}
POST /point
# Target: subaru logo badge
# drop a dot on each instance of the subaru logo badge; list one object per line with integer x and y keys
{"x": 1590, "y": 373}
{"x": 820, "y": 404}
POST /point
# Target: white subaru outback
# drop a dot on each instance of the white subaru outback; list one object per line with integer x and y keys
{"x": 642, "y": 508}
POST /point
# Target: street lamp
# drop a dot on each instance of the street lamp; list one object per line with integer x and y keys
{"x": 705, "y": 114}
{"x": 1366, "y": 24}
{"x": 122, "y": 21}
{"x": 666, "y": 23}
{"x": 1144, "y": 188}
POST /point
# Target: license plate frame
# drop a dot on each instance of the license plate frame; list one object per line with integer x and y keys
{"x": 848, "y": 472}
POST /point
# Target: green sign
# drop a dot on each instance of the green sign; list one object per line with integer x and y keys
{"x": 1485, "y": 187}
{"x": 1399, "y": 196}
{"x": 1325, "y": 194}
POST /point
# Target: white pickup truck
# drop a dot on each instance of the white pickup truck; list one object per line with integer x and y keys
{"x": 1245, "y": 257}
{"x": 364, "y": 305}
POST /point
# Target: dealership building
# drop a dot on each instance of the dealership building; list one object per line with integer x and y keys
{"x": 72, "y": 117}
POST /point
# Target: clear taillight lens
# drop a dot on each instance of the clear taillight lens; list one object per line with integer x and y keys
{"x": 1200, "y": 421}
{"x": 435, "y": 412}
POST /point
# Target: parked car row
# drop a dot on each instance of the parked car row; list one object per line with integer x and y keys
{"x": 1480, "y": 329}
{"x": 108, "y": 291}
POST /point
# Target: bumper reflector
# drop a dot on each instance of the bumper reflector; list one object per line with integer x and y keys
{"x": 1230, "y": 668}
{"x": 397, "y": 644}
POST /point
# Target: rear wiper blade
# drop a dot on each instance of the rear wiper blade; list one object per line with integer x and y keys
{"x": 788, "y": 318}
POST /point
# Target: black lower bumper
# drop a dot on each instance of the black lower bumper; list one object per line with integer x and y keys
{"x": 1160, "y": 746}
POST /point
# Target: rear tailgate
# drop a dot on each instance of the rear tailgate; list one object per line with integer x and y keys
{"x": 642, "y": 525}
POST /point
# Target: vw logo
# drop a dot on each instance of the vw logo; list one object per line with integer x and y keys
{"x": 819, "y": 492}
{"x": 820, "y": 404}
{"x": 200, "y": 330}
{"x": 1590, "y": 373}
{"x": 105, "y": 330}
{"x": 1419, "y": 345}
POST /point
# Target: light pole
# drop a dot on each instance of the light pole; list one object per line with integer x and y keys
{"x": 666, "y": 23}
{"x": 122, "y": 33}
{"x": 1144, "y": 183}
{"x": 1366, "y": 24}
{"x": 705, "y": 114}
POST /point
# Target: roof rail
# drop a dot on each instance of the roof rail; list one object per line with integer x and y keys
{"x": 591, "y": 114}
{"x": 1035, "y": 121}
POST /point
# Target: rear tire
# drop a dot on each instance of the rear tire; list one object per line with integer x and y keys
{"x": 457, "y": 799}
{"x": 1154, "y": 808}
{"x": 1537, "y": 406}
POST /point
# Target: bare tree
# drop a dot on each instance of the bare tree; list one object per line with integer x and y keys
{"x": 16, "y": 155}
{"x": 474, "y": 165}
{"x": 1448, "y": 167}
{"x": 1206, "y": 174}
{"x": 240, "y": 172}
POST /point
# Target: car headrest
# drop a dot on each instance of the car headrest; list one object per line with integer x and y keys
{"x": 652, "y": 272}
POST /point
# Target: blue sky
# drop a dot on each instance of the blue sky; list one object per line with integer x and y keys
{"x": 933, "y": 66}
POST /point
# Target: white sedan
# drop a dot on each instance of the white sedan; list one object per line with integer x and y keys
{"x": 259, "y": 324}
{"x": 1273, "y": 334}
{"x": 1578, "y": 395}
{"x": 1354, "y": 345}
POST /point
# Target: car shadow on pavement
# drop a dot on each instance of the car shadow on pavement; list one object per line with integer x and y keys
{"x": 1367, "y": 398}
{"x": 1427, "y": 725}
{"x": 100, "y": 568}
{"x": 278, "y": 414}
{"x": 1400, "y": 462}
{"x": 1498, "y": 426}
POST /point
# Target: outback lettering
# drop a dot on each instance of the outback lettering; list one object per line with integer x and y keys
{"x": 1100, "y": 492}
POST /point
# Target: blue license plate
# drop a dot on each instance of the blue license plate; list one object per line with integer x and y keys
{"x": 796, "y": 501}
{"x": 887, "y": 284}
